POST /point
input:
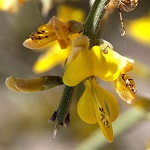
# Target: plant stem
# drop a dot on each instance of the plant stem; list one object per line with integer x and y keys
{"x": 65, "y": 103}
{"x": 93, "y": 20}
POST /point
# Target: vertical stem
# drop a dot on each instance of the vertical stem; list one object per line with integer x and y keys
{"x": 65, "y": 103}
{"x": 95, "y": 16}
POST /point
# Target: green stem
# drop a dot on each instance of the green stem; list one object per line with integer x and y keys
{"x": 65, "y": 104}
{"x": 93, "y": 20}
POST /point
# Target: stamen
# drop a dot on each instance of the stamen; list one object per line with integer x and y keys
{"x": 129, "y": 83}
{"x": 104, "y": 117}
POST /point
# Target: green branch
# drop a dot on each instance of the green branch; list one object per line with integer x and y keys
{"x": 93, "y": 20}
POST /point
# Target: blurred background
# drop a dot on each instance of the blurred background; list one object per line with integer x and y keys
{"x": 24, "y": 117}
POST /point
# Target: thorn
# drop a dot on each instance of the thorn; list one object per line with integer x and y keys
{"x": 67, "y": 121}
{"x": 53, "y": 118}
{"x": 55, "y": 131}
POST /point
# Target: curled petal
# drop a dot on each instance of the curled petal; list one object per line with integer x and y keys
{"x": 53, "y": 30}
{"x": 125, "y": 87}
{"x": 44, "y": 36}
{"x": 33, "y": 85}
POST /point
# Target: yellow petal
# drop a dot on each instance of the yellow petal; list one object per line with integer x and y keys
{"x": 47, "y": 33}
{"x": 104, "y": 66}
{"x": 91, "y": 108}
{"x": 79, "y": 64}
{"x": 125, "y": 87}
{"x": 41, "y": 38}
{"x": 100, "y": 111}
{"x": 84, "y": 107}
{"x": 38, "y": 44}
{"x": 105, "y": 124}
{"x": 79, "y": 69}
{"x": 109, "y": 99}
{"x": 54, "y": 56}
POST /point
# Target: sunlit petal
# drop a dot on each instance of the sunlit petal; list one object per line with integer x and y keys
{"x": 85, "y": 104}
{"x": 79, "y": 69}
{"x": 79, "y": 64}
{"x": 104, "y": 65}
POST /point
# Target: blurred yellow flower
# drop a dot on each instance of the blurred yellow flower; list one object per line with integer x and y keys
{"x": 48, "y": 60}
{"x": 92, "y": 107}
{"x": 52, "y": 57}
{"x": 10, "y": 5}
{"x": 139, "y": 29}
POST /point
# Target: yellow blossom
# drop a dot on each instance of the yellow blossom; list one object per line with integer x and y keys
{"x": 53, "y": 30}
{"x": 10, "y": 5}
{"x": 83, "y": 63}
{"x": 48, "y": 60}
{"x": 139, "y": 30}
{"x": 98, "y": 105}
{"x": 125, "y": 85}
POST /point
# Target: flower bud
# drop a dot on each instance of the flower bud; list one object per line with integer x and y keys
{"x": 33, "y": 85}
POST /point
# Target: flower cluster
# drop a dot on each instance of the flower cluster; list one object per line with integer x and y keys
{"x": 96, "y": 105}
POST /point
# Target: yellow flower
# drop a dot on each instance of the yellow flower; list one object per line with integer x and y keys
{"x": 102, "y": 62}
{"x": 82, "y": 63}
{"x": 125, "y": 86}
{"x": 139, "y": 30}
{"x": 98, "y": 105}
{"x": 48, "y": 60}
{"x": 10, "y": 5}
{"x": 53, "y": 30}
